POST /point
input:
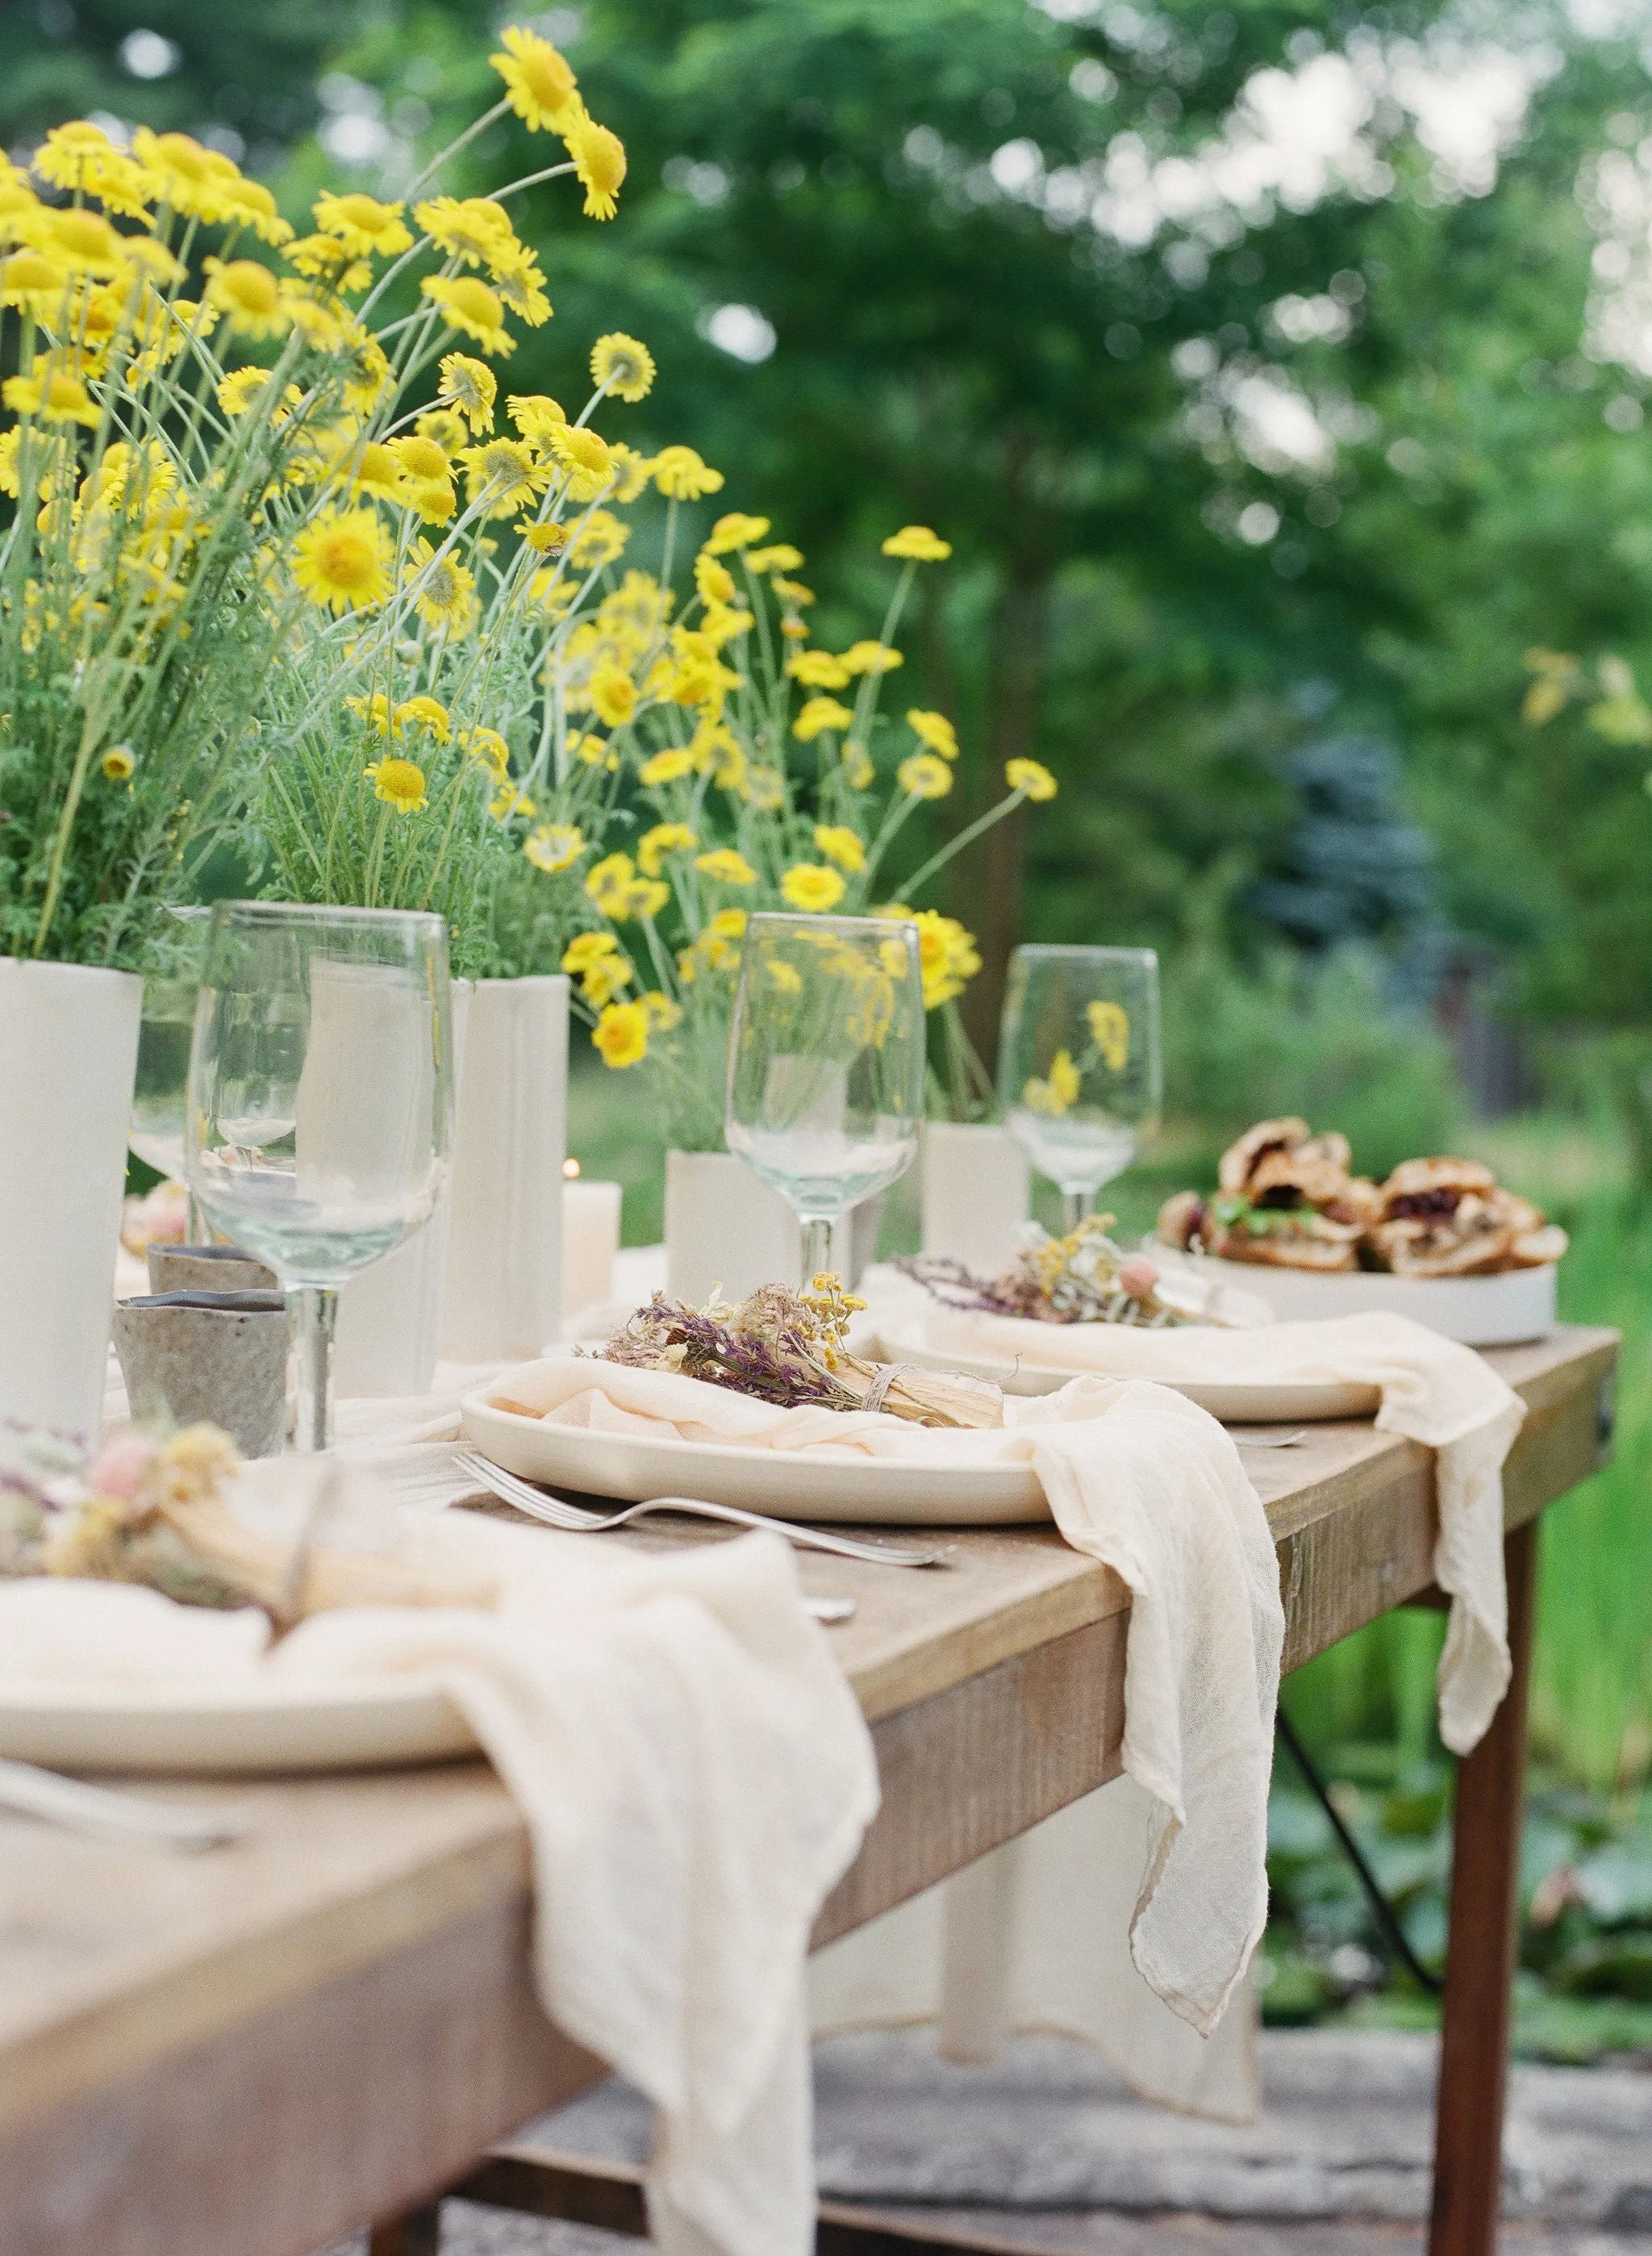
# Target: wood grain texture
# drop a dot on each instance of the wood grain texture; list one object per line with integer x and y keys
{"x": 254, "y": 2049}
{"x": 1479, "y": 1964}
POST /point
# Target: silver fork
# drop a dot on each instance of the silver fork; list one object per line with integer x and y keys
{"x": 116, "y": 1816}
{"x": 556, "y": 1512}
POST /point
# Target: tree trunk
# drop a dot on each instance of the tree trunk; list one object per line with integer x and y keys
{"x": 985, "y": 885}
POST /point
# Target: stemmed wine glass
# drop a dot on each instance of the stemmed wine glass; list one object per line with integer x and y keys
{"x": 1078, "y": 1065}
{"x": 321, "y": 1103}
{"x": 161, "y": 1094}
{"x": 825, "y": 1063}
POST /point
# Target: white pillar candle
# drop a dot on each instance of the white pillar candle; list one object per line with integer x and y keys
{"x": 590, "y": 1240}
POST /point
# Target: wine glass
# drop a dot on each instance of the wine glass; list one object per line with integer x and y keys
{"x": 161, "y": 1094}
{"x": 825, "y": 1063}
{"x": 1078, "y": 1065}
{"x": 321, "y": 1103}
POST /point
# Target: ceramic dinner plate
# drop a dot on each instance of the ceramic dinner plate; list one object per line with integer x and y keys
{"x": 1300, "y": 1405}
{"x": 1479, "y": 1311}
{"x": 863, "y": 1489}
{"x": 346, "y": 1726}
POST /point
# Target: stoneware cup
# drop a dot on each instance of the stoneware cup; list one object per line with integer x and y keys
{"x": 206, "y": 1269}
{"x": 219, "y": 1356}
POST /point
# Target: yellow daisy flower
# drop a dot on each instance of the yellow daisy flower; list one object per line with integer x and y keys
{"x": 375, "y": 710}
{"x": 713, "y": 580}
{"x": 668, "y": 766}
{"x": 375, "y": 471}
{"x": 820, "y": 713}
{"x": 399, "y": 783}
{"x": 609, "y": 881}
{"x": 118, "y": 763}
{"x": 444, "y": 592}
{"x": 663, "y": 1014}
{"x": 735, "y": 530}
{"x": 620, "y": 1034}
{"x": 236, "y": 392}
{"x": 665, "y": 838}
{"x": 924, "y": 775}
{"x": 53, "y": 392}
{"x": 934, "y": 731}
{"x": 324, "y": 258}
{"x": 585, "y": 949}
{"x": 488, "y": 749}
{"x": 872, "y": 657}
{"x": 946, "y": 956}
{"x": 536, "y": 416}
{"x": 366, "y": 372}
{"x": 196, "y": 182}
{"x": 470, "y": 306}
{"x": 840, "y": 844}
{"x": 612, "y": 694}
{"x": 471, "y": 228}
{"x": 362, "y": 224}
{"x": 503, "y": 474}
{"x": 599, "y": 540}
{"x": 248, "y": 296}
{"x": 811, "y": 887}
{"x": 917, "y": 545}
{"x": 681, "y": 476}
{"x": 621, "y": 365}
{"x": 726, "y": 866}
{"x": 605, "y": 979}
{"x": 521, "y": 287}
{"x": 630, "y": 470}
{"x": 599, "y": 161}
{"x": 584, "y": 454}
{"x": 424, "y": 713}
{"x": 83, "y": 241}
{"x": 539, "y": 79}
{"x": 592, "y": 751}
{"x": 554, "y": 847}
{"x": 34, "y": 283}
{"x": 344, "y": 560}
{"x": 791, "y": 591}
{"x": 468, "y": 386}
{"x": 1031, "y": 778}
{"x": 779, "y": 556}
{"x": 817, "y": 669}
{"x": 253, "y": 203}
{"x": 421, "y": 461}
{"x": 441, "y": 425}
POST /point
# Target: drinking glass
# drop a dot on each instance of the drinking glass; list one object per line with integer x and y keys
{"x": 161, "y": 1095}
{"x": 321, "y": 1103}
{"x": 1079, "y": 1066}
{"x": 825, "y": 1063}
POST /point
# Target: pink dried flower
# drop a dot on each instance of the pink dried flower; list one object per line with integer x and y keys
{"x": 1138, "y": 1276}
{"x": 121, "y": 1465}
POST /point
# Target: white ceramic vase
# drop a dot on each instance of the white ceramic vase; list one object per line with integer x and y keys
{"x": 504, "y": 1297}
{"x": 389, "y": 1328}
{"x": 69, "y": 1056}
{"x": 725, "y": 1226}
{"x": 977, "y": 1191}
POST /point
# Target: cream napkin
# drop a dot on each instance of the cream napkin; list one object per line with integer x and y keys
{"x": 1433, "y": 1391}
{"x": 695, "y": 1773}
{"x": 1143, "y": 1480}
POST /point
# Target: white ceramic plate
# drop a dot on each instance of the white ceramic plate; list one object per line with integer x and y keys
{"x": 297, "y": 1728}
{"x": 1479, "y": 1311}
{"x": 1235, "y": 1405}
{"x": 865, "y": 1491}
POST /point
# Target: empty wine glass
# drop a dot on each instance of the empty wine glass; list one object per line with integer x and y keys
{"x": 825, "y": 1063}
{"x": 1078, "y": 1069}
{"x": 321, "y": 1103}
{"x": 160, "y": 1096}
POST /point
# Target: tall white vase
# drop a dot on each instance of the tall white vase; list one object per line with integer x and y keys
{"x": 977, "y": 1191}
{"x": 503, "y": 1297}
{"x": 725, "y": 1226}
{"x": 390, "y": 1329}
{"x": 68, "y": 1055}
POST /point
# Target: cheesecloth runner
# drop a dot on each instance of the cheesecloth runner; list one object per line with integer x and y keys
{"x": 1143, "y": 1480}
{"x": 695, "y": 1773}
{"x": 1433, "y": 1391}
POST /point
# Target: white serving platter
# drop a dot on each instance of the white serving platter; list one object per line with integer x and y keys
{"x": 1479, "y": 1311}
{"x": 887, "y": 1491}
{"x": 1308, "y": 1403}
{"x": 344, "y": 1726}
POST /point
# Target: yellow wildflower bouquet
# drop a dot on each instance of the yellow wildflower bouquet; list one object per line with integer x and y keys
{"x": 766, "y": 776}
{"x": 210, "y": 446}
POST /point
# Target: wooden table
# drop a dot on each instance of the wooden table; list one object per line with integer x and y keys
{"x": 256, "y": 2050}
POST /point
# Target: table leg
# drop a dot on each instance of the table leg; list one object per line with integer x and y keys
{"x": 416, "y": 2233}
{"x": 1479, "y": 1965}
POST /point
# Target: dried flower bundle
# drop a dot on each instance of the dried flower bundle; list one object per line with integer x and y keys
{"x": 1082, "y": 1279}
{"x": 158, "y": 1512}
{"x": 788, "y": 1348}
